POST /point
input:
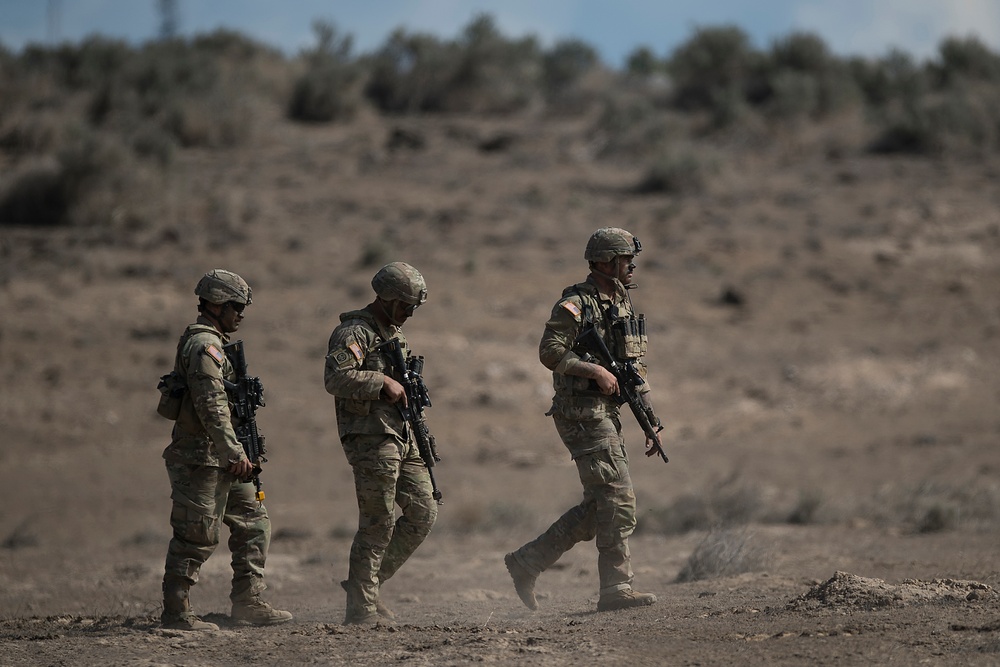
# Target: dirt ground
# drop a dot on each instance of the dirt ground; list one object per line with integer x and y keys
{"x": 824, "y": 354}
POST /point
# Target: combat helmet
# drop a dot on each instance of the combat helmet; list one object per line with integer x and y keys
{"x": 609, "y": 242}
{"x": 398, "y": 281}
{"x": 219, "y": 286}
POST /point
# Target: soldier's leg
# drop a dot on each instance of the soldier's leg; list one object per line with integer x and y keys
{"x": 195, "y": 518}
{"x": 249, "y": 539}
{"x": 577, "y": 524}
{"x": 614, "y": 502}
{"x": 419, "y": 511}
{"x": 376, "y": 464}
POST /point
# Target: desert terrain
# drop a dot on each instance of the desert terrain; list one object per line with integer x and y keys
{"x": 824, "y": 328}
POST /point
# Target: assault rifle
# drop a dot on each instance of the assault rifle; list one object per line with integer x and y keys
{"x": 417, "y": 399}
{"x": 629, "y": 381}
{"x": 247, "y": 394}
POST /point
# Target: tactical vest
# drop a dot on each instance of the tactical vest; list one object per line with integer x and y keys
{"x": 625, "y": 336}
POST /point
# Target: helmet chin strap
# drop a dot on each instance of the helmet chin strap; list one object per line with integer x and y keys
{"x": 390, "y": 312}
{"x": 614, "y": 278}
{"x": 212, "y": 317}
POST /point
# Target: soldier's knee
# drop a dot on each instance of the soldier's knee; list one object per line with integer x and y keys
{"x": 421, "y": 513}
{"x": 195, "y": 528}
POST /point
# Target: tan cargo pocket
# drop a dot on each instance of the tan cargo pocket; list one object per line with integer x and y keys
{"x": 597, "y": 468}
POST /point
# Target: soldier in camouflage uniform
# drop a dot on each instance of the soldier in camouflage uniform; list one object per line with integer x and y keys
{"x": 379, "y": 446}
{"x": 207, "y": 465}
{"x": 588, "y": 422}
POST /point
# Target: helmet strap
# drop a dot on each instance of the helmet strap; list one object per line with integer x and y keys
{"x": 390, "y": 311}
{"x": 208, "y": 314}
{"x": 613, "y": 277}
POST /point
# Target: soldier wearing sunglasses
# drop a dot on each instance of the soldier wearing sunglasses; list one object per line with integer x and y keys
{"x": 381, "y": 449}
{"x": 208, "y": 467}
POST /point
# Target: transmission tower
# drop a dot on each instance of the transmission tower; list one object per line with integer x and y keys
{"x": 168, "y": 18}
{"x": 54, "y": 21}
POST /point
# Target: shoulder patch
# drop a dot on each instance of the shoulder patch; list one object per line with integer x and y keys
{"x": 573, "y": 309}
{"x": 345, "y": 357}
{"x": 214, "y": 352}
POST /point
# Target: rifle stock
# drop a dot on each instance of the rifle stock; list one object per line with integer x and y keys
{"x": 629, "y": 380}
{"x": 247, "y": 394}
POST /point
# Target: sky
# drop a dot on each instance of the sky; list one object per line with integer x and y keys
{"x": 614, "y": 27}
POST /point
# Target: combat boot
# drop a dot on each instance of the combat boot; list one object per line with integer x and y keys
{"x": 253, "y": 610}
{"x": 177, "y": 608}
{"x": 624, "y": 599}
{"x": 353, "y": 618}
{"x": 524, "y": 581}
{"x": 380, "y": 608}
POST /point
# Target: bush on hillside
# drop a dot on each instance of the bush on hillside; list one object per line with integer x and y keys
{"x": 642, "y": 62}
{"x": 327, "y": 91}
{"x": 965, "y": 118}
{"x": 713, "y": 62}
{"x": 894, "y": 77}
{"x": 482, "y": 72}
{"x": 800, "y": 77}
{"x": 966, "y": 59}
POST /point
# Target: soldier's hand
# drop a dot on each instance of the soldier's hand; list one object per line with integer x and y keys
{"x": 606, "y": 381}
{"x": 652, "y": 446}
{"x": 241, "y": 469}
{"x": 393, "y": 391}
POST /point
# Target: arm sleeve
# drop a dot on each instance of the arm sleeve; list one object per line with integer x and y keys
{"x": 211, "y": 403}
{"x": 555, "y": 349}
{"x": 342, "y": 373}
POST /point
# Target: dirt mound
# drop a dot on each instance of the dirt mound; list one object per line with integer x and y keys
{"x": 845, "y": 590}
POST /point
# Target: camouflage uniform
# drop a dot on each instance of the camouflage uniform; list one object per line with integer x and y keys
{"x": 384, "y": 457}
{"x": 589, "y": 425}
{"x": 203, "y": 447}
{"x": 203, "y": 493}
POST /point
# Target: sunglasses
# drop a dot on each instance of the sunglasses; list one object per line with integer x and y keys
{"x": 238, "y": 307}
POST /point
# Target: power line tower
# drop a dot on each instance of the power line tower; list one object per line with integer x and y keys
{"x": 168, "y": 18}
{"x": 54, "y": 21}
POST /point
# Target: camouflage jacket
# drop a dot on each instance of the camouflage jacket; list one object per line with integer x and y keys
{"x": 203, "y": 433}
{"x": 354, "y": 373}
{"x": 580, "y": 306}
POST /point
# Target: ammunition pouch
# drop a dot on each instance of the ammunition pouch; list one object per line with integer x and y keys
{"x": 172, "y": 387}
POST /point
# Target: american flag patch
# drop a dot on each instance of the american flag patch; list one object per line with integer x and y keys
{"x": 572, "y": 308}
{"x": 215, "y": 353}
{"x": 356, "y": 350}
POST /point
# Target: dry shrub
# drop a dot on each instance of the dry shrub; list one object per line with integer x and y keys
{"x": 36, "y": 194}
{"x": 678, "y": 172}
{"x": 328, "y": 89}
{"x": 723, "y": 553}
{"x": 931, "y": 507}
{"x": 728, "y": 503}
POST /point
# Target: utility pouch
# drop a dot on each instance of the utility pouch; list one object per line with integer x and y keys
{"x": 629, "y": 337}
{"x": 172, "y": 387}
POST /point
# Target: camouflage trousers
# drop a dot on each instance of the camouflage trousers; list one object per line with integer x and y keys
{"x": 203, "y": 498}
{"x": 387, "y": 472}
{"x": 606, "y": 513}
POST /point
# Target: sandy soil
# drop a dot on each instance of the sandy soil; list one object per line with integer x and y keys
{"x": 824, "y": 329}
